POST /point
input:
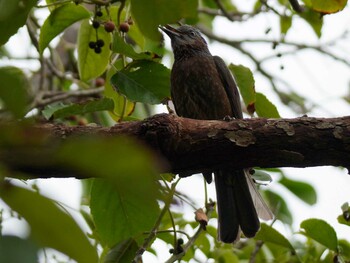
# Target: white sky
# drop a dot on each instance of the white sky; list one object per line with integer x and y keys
{"x": 320, "y": 79}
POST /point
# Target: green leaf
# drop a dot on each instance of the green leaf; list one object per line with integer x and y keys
{"x": 245, "y": 82}
{"x": 269, "y": 234}
{"x": 149, "y": 14}
{"x": 285, "y": 24}
{"x": 329, "y": 6}
{"x": 124, "y": 251}
{"x": 125, "y": 205}
{"x": 50, "y": 226}
{"x": 321, "y": 232}
{"x": 13, "y": 90}
{"x": 13, "y": 15}
{"x": 344, "y": 248}
{"x": 302, "y": 190}
{"x": 261, "y": 176}
{"x": 144, "y": 81}
{"x": 279, "y": 207}
{"x": 88, "y": 107}
{"x": 125, "y": 210}
{"x": 90, "y": 64}
{"x": 58, "y": 20}
{"x": 14, "y": 249}
{"x": 265, "y": 108}
{"x": 122, "y": 106}
{"x": 49, "y": 110}
{"x": 119, "y": 46}
{"x": 314, "y": 19}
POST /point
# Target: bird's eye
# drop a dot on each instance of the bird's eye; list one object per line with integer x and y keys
{"x": 192, "y": 33}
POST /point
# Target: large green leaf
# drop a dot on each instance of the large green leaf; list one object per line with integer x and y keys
{"x": 321, "y": 232}
{"x": 144, "y": 81}
{"x": 13, "y": 90}
{"x": 125, "y": 205}
{"x": 14, "y": 249}
{"x": 122, "y": 106}
{"x": 264, "y": 107}
{"x": 245, "y": 82}
{"x": 58, "y": 20}
{"x": 149, "y": 14}
{"x": 90, "y": 64}
{"x": 269, "y": 234}
{"x": 13, "y": 15}
{"x": 50, "y": 226}
{"x": 302, "y": 190}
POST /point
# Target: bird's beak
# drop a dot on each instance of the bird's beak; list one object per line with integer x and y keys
{"x": 170, "y": 31}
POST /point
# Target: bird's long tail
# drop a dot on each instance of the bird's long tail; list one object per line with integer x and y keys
{"x": 239, "y": 205}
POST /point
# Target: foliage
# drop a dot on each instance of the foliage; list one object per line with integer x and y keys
{"x": 115, "y": 62}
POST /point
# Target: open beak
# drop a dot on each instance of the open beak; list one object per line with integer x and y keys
{"x": 170, "y": 31}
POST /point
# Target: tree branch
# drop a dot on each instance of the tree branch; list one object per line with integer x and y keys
{"x": 192, "y": 146}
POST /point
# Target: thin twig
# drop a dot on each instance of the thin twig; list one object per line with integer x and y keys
{"x": 296, "y": 6}
{"x": 191, "y": 241}
{"x": 223, "y": 10}
{"x": 153, "y": 233}
{"x": 64, "y": 96}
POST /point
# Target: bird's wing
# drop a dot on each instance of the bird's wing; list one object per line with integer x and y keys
{"x": 230, "y": 87}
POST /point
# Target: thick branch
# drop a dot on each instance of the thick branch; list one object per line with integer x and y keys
{"x": 194, "y": 146}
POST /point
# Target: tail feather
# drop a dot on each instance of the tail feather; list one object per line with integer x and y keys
{"x": 236, "y": 210}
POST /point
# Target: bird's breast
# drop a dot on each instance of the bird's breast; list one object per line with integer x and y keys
{"x": 197, "y": 90}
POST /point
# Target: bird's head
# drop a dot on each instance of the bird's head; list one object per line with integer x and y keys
{"x": 185, "y": 40}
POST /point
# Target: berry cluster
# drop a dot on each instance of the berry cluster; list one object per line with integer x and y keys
{"x": 109, "y": 26}
{"x": 97, "y": 46}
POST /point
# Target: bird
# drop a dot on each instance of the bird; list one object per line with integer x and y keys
{"x": 203, "y": 88}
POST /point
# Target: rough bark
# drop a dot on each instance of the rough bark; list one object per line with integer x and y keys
{"x": 195, "y": 146}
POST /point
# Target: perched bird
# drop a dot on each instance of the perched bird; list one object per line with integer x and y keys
{"x": 203, "y": 88}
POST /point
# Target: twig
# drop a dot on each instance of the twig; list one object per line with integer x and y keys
{"x": 191, "y": 241}
{"x": 256, "y": 250}
{"x": 65, "y": 95}
{"x": 296, "y": 6}
{"x": 223, "y": 10}
{"x": 153, "y": 232}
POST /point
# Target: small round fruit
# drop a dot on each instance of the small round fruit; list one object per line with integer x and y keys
{"x": 99, "y": 13}
{"x": 95, "y": 24}
{"x": 124, "y": 27}
{"x": 109, "y": 26}
{"x": 99, "y": 82}
{"x": 98, "y": 50}
{"x": 100, "y": 43}
{"x": 92, "y": 44}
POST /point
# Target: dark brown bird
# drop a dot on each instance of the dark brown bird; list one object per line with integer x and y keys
{"x": 203, "y": 88}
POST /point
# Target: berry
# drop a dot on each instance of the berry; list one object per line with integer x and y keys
{"x": 95, "y": 24}
{"x": 100, "y": 43}
{"x": 171, "y": 251}
{"x": 180, "y": 241}
{"x": 98, "y": 50}
{"x": 92, "y": 44}
{"x": 124, "y": 27}
{"x": 109, "y": 26}
{"x": 99, "y": 13}
{"x": 99, "y": 82}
